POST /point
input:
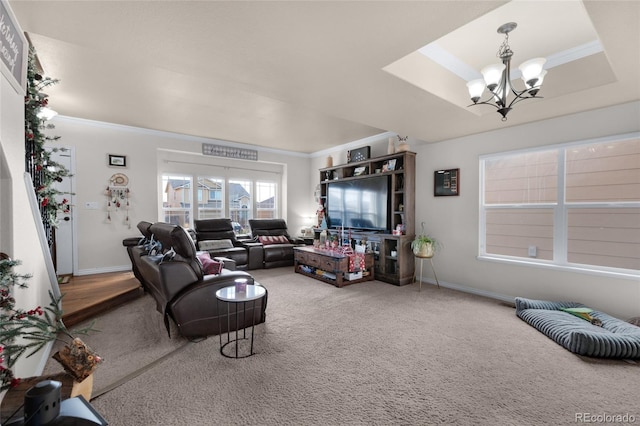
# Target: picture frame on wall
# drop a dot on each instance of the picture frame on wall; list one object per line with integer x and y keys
{"x": 117, "y": 160}
{"x": 446, "y": 182}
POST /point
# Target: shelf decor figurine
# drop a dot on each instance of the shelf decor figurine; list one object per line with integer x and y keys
{"x": 403, "y": 145}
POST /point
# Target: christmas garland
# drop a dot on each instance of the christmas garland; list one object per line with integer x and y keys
{"x": 44, "y": 171}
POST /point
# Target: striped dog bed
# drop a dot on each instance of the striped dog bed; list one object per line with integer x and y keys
{"x": 614, "y": 339}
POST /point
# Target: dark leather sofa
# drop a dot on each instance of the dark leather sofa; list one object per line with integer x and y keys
{"x": 210, "y": 231}
{"x": 272, "y": 255}
{"x": 175, "y": 279}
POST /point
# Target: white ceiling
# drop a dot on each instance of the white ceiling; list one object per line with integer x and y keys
{"x": 309, "y": 75}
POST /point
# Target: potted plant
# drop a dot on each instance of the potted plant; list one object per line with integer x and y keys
{"x": 424, "y": 245}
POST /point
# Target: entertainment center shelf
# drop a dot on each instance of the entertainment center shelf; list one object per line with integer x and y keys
{"x": 393, "y": 258}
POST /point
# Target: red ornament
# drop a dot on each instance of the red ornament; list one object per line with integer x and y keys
{"x": 44, "y": 202}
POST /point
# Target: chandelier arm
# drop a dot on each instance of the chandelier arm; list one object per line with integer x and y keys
{"x": 485, "y": 103}
{"x": 523, "y": 98}
{"x": 519, "y": 95}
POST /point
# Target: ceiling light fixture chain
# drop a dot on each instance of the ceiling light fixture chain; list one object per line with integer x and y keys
{"x": 505, "y": 49}
{"x": 497, "y": 78}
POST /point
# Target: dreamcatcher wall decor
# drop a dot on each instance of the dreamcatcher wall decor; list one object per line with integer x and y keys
{"x": 118, "y": 194}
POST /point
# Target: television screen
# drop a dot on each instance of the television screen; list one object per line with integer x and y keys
{"x": 359, "y": 203}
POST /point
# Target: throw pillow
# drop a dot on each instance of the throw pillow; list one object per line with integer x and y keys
{"x": 273, "y": 239}
{"x": 215, "y": 244}
{"x": 209, "y": 266}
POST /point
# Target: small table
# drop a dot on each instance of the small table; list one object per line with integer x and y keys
{"x": 251, "y": 293}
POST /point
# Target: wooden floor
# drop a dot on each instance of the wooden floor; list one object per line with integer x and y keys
{"x": 89, "y": 295}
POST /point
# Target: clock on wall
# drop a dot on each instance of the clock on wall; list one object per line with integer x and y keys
{"x": 359, "y": 154}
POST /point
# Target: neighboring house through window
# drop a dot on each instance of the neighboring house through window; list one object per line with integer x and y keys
{"x": 218, "y": 197}
{"x": 574, "y": 205}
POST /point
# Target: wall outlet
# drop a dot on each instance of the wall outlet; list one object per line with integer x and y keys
{"x": 533, "y": 251}
{"x": 91, "y": 205}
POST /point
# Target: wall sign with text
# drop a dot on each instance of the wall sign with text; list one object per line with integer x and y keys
{"x": 13, "y": 49}
{"x": 446, "y": 182}
{"x": 230, "y": 152}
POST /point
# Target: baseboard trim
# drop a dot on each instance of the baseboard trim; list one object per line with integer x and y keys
{"x": 473, "y": 290}
{"x": 122, "y": 268}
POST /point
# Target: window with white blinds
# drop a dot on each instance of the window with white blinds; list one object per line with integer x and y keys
{"x": 575, "y": 205}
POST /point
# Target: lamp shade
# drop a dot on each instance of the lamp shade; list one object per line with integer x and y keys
{"x": 541, "y": 77}
{"x": 532, "y": 69}
{"x": 46, "y": 113}
{"x": 476, "y": 87}
{"x": 492, "y": 74}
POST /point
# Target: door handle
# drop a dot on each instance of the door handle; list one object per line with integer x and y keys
{"x": 67, "y": 219}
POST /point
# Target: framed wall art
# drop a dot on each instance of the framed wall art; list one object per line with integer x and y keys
{"x": 117, "y": 160}
{"x": 446, "y": 182}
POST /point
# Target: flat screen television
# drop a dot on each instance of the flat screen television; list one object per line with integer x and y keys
{"x": 359, "y": 203}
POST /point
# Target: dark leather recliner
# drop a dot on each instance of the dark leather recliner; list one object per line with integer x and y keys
{"x": 182, "y": 292}
{"x": 135, "y": 249}
{"x": 221, "y": 229}
{"x": 273, "y": 255}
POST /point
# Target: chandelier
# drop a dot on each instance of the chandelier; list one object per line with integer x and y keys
{"x": 498, "y": 82}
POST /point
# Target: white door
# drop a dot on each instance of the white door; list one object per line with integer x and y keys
{"x": 64, "y": 231}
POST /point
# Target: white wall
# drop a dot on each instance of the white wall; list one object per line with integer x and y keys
{"x": 455, "y": 220}
{"x": 100, "y": 243}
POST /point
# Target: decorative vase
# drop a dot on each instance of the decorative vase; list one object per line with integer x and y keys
{"x": 391, "y": 149}
{"x": 403, "y": 146}
{"x": 329, "y": 161}
{"x": 78, "y": 359}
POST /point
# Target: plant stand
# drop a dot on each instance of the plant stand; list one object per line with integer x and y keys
{"x": 422, "y": 258}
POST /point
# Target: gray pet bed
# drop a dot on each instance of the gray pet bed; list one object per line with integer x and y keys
{"x": 615, "y": 339}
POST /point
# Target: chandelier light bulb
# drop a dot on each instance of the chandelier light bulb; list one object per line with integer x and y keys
{"x": 476, "y": 88}
{"x": 492, "y": 75}
{"x": 531, "y": 70}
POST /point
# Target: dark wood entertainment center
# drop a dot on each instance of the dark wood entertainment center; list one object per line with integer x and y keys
{"x": 398, "y": 269}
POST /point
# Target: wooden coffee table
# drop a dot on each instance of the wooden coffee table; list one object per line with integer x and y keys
{"x": 329, "y": 265}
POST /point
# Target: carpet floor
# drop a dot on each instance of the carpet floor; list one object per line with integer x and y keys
{"x": 365, "y": 354}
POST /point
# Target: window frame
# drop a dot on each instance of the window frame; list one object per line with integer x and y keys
{"x": 561, "y": 209}
{"x": 193, "y": 212}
